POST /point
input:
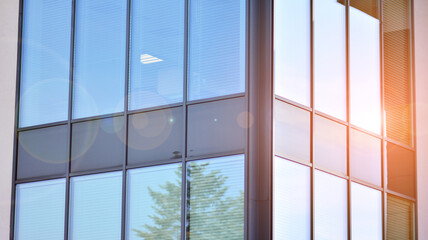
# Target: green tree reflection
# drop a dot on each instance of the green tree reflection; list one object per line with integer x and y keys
{"x": 213, "y": 211}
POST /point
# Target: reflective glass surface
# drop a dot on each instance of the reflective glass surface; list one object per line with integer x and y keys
{"x": 292, "y": 50}
{"x": 155, "y": 137}
{"x": 400, "y": 170}
{"x": 330, "y": 57}
{"x": 331, "y": 207}
{"x": 292, "y": 132}
{"x": 39, "y": 210}
{"x": 330, "y": 149}
{"x": 291, "y": 200}
{"x": 365, "y": 157}
{"x": 364, "y": 68}
{"x": 216, "y": 127}
{"x": 96, "y": 206}
{"x": 99, "y": 57}
{"x": 215, "y": 198}
{"x": 400, "y": 222}
{"x": 216, "y": 48}
{"x": 42, "y": 152}
{"x": 97, "y": 144}
{"x": 157, "y": 48}
{"x": 366, "y": 213}
{"x": 154, "y": 202}
{"x": 45, "y": 62}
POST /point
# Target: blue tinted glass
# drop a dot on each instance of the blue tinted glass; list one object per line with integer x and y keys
{"x": 215, "y": 198}
{"x": 216, "y": 48}
{"x": 154, "y": 202}
{"x": 292, "y": 50}
{"x": 291, "y": 200}
{"x": 45, "y": 62}
{"x": 366, "y": 212}
{"x": 331, "y": 207}
{"x": 364, "y": 67}
{"x": 39, "y": 210}
{"x": 157, "y": 41}
{"x": 100, "y": 42}
{"x": 96, "y": 206}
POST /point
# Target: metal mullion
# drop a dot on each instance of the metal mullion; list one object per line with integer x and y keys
{"x": 293, "y": 103}
{"x": 184, "y": 129}
{"x": 348, "y": 113}
{"x": 16, "y": 125}
{"x": 215, "y": 99}
{"x": 70, "y": 116}
{"x": 46, "y": 125}
{"x": 125, "y": 113}
{"x": 312, "y": 114}
{"x": 247, "y": 132}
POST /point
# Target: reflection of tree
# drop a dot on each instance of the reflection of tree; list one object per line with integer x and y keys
{"x": 214, "y": 213}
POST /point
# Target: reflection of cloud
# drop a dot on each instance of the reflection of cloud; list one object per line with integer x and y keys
{"x": 146, "y": 59}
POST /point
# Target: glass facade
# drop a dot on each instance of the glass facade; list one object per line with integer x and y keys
{"x": 134, "y": 120}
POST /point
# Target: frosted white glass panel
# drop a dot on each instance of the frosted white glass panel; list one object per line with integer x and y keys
{"x": 330, "y": 57}
{"x": 45, "y": 62}
{"x": 96, "y": 206}
{"x": 157, "y": 48}
{"x": 366, "y": 213}
{"x": 99, "y": 57}
{"x": 330, "y": 150}
{"x": 216, "y": 48}
{"x": 215, "y": 198}
{"x": 330, "y": 209}
{"x": 39, "y": 210}
{"x": 291, "y": 200}
{"x": 292, "y": 50}
{"x": 154, "y": 202}
{"x": 364, "y": 70}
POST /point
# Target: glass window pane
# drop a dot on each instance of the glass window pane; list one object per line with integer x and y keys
{"x": 96, "y": 206}
{"x": 154, "y": 203}
{"x": 330, "y": 57}
{"x": 39, "y": 210}
{"x": 366, "y": 213}
{"x": 331, "y": 207}
{"x": 292, "y": 50}
{"x": 292, "y": 132}
{"x": 157, "y": 48}
{"x": 291, "y": 200}
{"x": 400, "y": 212}
{"x": 216, "y": 48}
{"x": 215, "y": 198}
{"x": 216, "y": 127}
{"x": 330, "y": 144}
{"x": 45, "y": 62}
{"x": 364, "y": 65}
{"x": 97, "y": 144}
{"x": 42, "y": 152}
{"x": 99, "y": 65}
{"x": 155, "y": 136}
{"x": 401, "y": 170}
{"x": 365, "y": 157}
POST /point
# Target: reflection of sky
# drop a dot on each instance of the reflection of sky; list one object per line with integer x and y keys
{"x": 99, "y": 57}
{"x": 331, "y": 207}
{"x": 292, "y": 200}
{"x": 216, "y": 48}
{"x": 39, "y": 210}
{"x": 366, "y": 213}
{"x": 157, "y": 29}
{"x": 364, "y": 70}
{"x": 140, "y": 203}
{"x": 96, "y": 206}
{"x": 330, "y": 57}
{"x": 45, "y": 62}
{"x": 292, "y": 50}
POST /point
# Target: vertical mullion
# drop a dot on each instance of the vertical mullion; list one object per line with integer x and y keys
{"x": 184, "y": 109}
{"x": 15, "y": 131}
{"x": 125, "y": 117}
{"x": 70, "y": 116}
{"x": 348, "y": 113}
{"x": 312, "y": 117}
